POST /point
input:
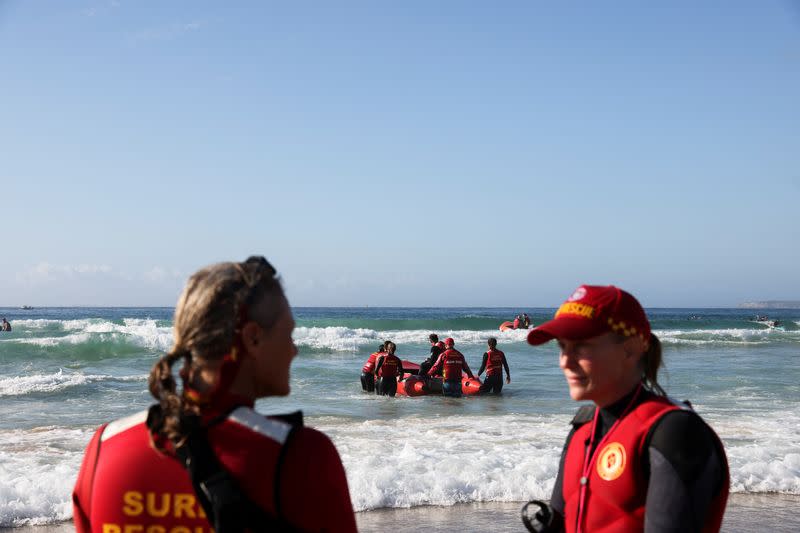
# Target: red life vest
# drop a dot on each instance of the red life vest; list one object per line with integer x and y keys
{"x": 494, "y": 363}
{"x": 617, "y": 488}
{"x": 126, "y": 485}
{"x": 369, "y": 366}
{"x": 516, "y": 323}
{"x": 391, "y": 367}
{"x": 453, "y": 362}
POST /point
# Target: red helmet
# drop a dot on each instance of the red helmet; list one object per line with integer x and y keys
{"x": 449, "y": 341}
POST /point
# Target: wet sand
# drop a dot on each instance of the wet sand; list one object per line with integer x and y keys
{"x": 745, "y": 513}
{"x": 777, "y": 513}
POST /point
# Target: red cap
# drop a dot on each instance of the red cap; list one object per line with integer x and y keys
{"x": 449, "y": 341}
{"x": 591, "y": 311}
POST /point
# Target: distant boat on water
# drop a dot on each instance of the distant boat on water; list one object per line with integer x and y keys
{"x": 26, "y": 307}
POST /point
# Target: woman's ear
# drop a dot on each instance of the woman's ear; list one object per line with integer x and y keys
{"x": 250, "y": 336}
{"x": 634, "y": 347}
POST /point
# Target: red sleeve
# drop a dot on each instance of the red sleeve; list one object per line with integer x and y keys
{"x": 82, "y": 493}
{"x": 315, "y": 496}
{"x": 435, "y": 367}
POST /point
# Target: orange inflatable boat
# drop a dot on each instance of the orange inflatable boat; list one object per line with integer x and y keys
{"x": 416, "y": 385}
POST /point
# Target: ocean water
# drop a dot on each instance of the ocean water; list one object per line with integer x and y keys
{"x": 64, "y": 371}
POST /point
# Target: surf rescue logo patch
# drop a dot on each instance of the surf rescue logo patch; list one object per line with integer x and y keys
{"x": 579, "y": 293}
{"x": 575, "y": 308}
{"x": 611, "y": 461}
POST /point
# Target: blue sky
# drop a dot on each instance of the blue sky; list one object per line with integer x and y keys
{"x": 401, "y": 153}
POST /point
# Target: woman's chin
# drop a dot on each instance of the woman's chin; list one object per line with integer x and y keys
{"x": 282, "y": 389}
{"x": 578, "y": 393}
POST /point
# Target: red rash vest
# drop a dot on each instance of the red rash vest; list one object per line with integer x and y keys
{"x": 126, "y": 485}
{"x": 617, "y": 488}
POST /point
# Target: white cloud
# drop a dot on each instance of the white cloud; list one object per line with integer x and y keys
{"x": 167, "y": 32}
{"x": 159, "y": 274}
{"x": 47, "y": 283}
{"x": 44, "y": 272}
{"x": 101, "y": 8}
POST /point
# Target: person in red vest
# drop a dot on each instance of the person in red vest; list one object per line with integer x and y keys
{"x": 436, "y": 350}
{"x": 494, "y": 361}
{"x": 453, "y": 364}
{"x": 635, "y": 460}
{"x": 368, "y": 370}
{"x": 389, "y": 370}
{"x": 201, "y": 457}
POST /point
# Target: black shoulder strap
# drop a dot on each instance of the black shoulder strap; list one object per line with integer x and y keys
{"x": 281, "y": 457}
{"x": 584, "y": 415}
{"x": 226, "y": 505}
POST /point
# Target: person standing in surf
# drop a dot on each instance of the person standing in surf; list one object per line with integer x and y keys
{"x": 389, "y": 370}
{"x": 494, "y": 361}
{"x": 202, "y": 457}
{"x": 368, "y": 370}
{"x": 453, "y": 364}
{"x": 636, "y": 460}
{"x": 436, "y": 350}
{"x": 6, "y": 326}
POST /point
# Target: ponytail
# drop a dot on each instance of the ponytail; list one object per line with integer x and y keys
{"x": 175, "y": 411}
{"x": 651, "y": 362}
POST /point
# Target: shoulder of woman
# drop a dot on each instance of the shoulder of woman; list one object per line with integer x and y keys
{"x": 680, "y": 429}
{"x": 312, "y": 445}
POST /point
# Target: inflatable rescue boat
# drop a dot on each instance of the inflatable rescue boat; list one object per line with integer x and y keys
{"x": 415, "y": 385}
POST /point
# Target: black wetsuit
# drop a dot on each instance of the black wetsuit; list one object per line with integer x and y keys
{"x": 385, "y": 386}
{"x": 430, "y": 361}
{"x": 493, "y": 383}
{"x": 368, "y": 381}
{"x": 681, "y": 461}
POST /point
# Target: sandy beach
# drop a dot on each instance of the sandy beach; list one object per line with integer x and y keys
{"x": 771, "y": 512}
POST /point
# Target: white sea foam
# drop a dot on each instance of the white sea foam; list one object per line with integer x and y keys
{"x": 19, "y": 385}
{"x": 74, "y": 338}
{"x": 763, "y": 450}
{"x": 64, "y": 325}
{"x": 38, "y": 468}
{"x": 731, "y": 336}
{"x": 141, "y": 332}
{"x": 147, "y": 334}
{"x": 447, "y": 460}
{"x": 352, "y": 340}
{"x": 438, "y": 460}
